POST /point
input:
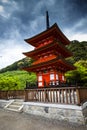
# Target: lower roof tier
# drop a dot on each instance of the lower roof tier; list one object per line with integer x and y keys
{"x": 54, "y": 48}
{"x": 57, "y": 63}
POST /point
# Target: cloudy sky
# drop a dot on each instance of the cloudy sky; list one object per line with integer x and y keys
{"x": 21, "y": 19}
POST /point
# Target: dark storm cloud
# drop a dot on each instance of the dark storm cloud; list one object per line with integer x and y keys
{"x": 65, "y": 12}
{"x": 69, "y": 12}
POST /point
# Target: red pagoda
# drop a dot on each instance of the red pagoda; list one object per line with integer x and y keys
{"x": 49, "y": 56}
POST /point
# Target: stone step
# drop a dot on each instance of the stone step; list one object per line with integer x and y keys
{"x": 16, "y": 110}
{"x": 19, "y": 100}
{"x": 15, "y": 105}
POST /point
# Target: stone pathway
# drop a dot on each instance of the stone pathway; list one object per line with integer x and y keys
{"x": 20, "y": 121}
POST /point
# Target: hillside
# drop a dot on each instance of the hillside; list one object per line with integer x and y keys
{"x": 18, "y": 65}
{"x": 79, "y": 50}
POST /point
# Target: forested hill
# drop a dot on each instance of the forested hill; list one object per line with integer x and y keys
{"x": 18, "y": 65}
{"x": 79, "y": 50}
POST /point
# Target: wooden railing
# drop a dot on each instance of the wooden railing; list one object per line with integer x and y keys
{"x": 63, "y": 95}
{"x": 70, "y": 95}
{"x": 53, "y": 95}
{"x": 11, "y": 94}
{"x": 82, "y": 94}
{"x": 51, "y": 84}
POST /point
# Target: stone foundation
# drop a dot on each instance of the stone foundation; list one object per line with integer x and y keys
{"x": 69, "y": 113}
{"x": 84, "y": 110}
{"x": 3, "y": 103}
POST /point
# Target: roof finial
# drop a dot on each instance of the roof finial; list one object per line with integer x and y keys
{"x": 47, "y": 20}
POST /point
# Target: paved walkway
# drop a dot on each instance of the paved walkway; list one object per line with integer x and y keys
{"x": 19, "y": 121}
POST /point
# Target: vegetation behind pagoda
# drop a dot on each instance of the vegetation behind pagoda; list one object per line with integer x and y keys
{"x": 15, "y": 80}
{"x": 79, "y": 50}
{"x": 79, "y": 59}
{"x": 25, "y": 62}
{"x": 12, "y": 77}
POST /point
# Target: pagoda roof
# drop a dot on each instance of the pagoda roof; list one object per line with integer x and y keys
{"x": 58, "y": 63}
{"x": 54, "y": 30}
{"x": 56, "y": 46}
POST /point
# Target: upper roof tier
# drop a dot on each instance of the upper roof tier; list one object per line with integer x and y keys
{"x": 53, "y": 31}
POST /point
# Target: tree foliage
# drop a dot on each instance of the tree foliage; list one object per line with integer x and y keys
{"x": 18, "y": 65}
{"x": 15, "y": 80}
{"x": 79, "y": 50}
{"x": 80, "y": 74}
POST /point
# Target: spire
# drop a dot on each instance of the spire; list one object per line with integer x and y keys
{"x": 47, "y": 20}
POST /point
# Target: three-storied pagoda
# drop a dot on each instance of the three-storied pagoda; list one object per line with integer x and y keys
{"x": 49, "y": 56}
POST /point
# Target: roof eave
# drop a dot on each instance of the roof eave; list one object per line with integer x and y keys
{"x": 41, "y": 35}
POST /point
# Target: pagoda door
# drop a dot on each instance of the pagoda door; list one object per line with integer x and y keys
{"x": 46, "y": 79}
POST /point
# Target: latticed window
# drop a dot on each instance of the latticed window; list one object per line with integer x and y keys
{"x": 40, "y": 78}
{"x": 51, "y": 76}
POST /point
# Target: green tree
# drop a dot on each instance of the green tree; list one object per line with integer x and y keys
{"x": 80, "y": 74}
{"x": 15, "y": 80}
{"x": 79, "y": 50}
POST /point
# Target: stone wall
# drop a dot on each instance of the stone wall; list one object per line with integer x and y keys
{"x": 84, "y": 109}
{"x": 3, "y": 103}
{"x": 69, "y": 113}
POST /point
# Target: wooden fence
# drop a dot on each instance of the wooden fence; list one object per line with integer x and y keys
{"x": 63, "y": 95}
{"x": 53, "y": 95}
{"x": 11, "y": 94}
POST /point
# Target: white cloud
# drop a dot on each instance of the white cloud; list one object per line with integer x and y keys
{"x": 72, "y": 35}
{"x": 79, "y": 24}
{"x": 75, "y": 32}
{"x": 5, "y": 1}
{"x": 11, "y": 50}
{"x": 1, "y": 9}
{"x": 8, "y": 8}
{"x": 79, "y": 37}
{"x": 35, "y": 25}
